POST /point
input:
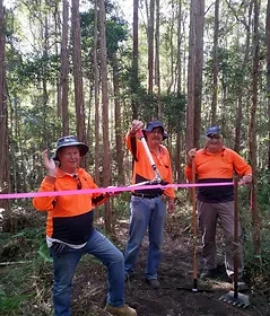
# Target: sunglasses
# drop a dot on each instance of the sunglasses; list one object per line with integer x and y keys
{"x": 79, "y": 183}
{"x": 213, "y": 136}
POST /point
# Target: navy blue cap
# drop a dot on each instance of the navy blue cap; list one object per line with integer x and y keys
{"x": 69, "y": 141}
{"x": 213, "y": 130}
{"x": 155, "y": 124}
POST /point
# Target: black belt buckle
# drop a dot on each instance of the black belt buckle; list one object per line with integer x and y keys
{"x": 146, "y": 196}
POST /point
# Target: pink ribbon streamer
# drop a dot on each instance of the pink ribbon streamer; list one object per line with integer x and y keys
{"x": 9, "y": 196}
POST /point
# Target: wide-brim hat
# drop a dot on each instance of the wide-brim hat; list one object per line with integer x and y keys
{"x": 69, "y": 141}
{"x": 213, "y": 130}
{"x": 155, "y": 124}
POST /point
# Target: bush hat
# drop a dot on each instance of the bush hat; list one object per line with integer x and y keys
{"x": 69, "y": 141}
{"x": 155, "y": 124}
{"x": 213, "y": 130}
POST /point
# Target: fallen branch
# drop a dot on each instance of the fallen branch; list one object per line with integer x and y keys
{"x": 13, "y": 262}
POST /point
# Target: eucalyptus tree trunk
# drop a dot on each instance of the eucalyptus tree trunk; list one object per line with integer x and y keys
{"x": 4, "y": 144}
{"x": 178, "y": 155}
{"x": 96, "y": 82}
{"x": 195, "y": 64}
{"x": 240, "y": 89}
{"x": 150, "y": 37}
{"x": 78, "y": 77}
{"x": 135, "y": 60}
{"x": 65, "y": 68}
{"x": 157, "y": 64}
{"x": 45, "y": 95}
{"x": 105, "y": 116}
{"x": 179, "y": 50}
{"x": 171, "y": 35}
{"x": 215, "y": 67}
{"x": 118, "y": 122}
{"x": 57, "y": 31}
{"x": 268, "y": 75}
{"x": 253, "y": 131}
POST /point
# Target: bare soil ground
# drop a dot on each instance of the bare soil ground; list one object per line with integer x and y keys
{"x": 175, "y": 274}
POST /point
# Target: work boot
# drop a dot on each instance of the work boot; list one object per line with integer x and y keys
{"x": 124, "y": 310}
{"x": 153, "y": 283}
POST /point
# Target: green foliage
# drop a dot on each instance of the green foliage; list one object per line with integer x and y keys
{"x": 263, "y": 191}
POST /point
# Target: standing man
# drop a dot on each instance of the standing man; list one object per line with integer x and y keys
{"x": 70, "y": 232}
{"x": 216, "y": 163}
{"x": 148, "y": 207}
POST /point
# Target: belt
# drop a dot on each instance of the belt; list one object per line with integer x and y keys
{"x": 146, "y": 196}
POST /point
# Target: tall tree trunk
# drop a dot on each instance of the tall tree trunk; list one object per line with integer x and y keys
{"x": 179, "y": 51}
{"x": 268, "y": 74}
{"x": 195, "y": 74}
{"x": 96, "y": 82}
{"x": 57, "y": 31}
{"x": 253, "y": 131}
{"x": 4, "y": 144}
{"x": 157, "y": 64}
{"x": 118, "y": 122}
{"x": 172, "y": 81}
{"x": 150, "y": 33}
{"x": 178, "y": 91}
{"x": 65, "y": 68}
{"x": 105, "y": 116}
{"x": 215, "y": 67}
{"x": 240, "y": 90}
{"x": 78, "y": 76}
{"x": 135, "y": 60}
{"x": 45, "y": 96}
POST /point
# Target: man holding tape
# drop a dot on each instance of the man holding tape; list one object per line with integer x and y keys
{"x": 215, "y": 164}
{"x": 70, "y": 232}
{"x": 148, "y": 207}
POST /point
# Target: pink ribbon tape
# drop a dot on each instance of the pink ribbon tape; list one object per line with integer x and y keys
{"x": 10, "y": 196}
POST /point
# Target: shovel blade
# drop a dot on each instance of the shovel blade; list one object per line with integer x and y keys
{"x": 239, "y": 300}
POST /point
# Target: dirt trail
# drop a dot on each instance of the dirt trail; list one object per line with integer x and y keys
{"x": 170, "y": 300}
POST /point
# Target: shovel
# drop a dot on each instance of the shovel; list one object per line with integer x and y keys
{"x": 194, "y": 287}
{"x": 234, "y": 297}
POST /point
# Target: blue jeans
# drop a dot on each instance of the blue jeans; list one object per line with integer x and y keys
{"x": 65, "y": 264}
{"x": 145, "y": 213}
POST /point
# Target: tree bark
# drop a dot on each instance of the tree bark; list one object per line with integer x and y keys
{"x": 4, "y": 144}
{"x": 78, "y": 76}
{"x": 195, "y": 74}
{"x": 253, "y": 132}
{"x": 215, "y": 67}
{"x": 157, "y": 64}
{"x": 118, "y": 122}
{"x": 268, "y": 75}
{"x": 150, "y": 31}
{"x": 65, "y": 68}
{"x": 135, "y": 60}
{"x": 105, "y": 116}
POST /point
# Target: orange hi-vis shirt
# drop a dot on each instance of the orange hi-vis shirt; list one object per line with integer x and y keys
{"x": 142, "y": 170}
{"x": 214, "y": 168}
{"x": 70, "y": 217}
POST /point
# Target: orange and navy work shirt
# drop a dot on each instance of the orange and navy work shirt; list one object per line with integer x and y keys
{"x": 70, "y": 217}
{"x": 214, "y": 168}
{"x": 142, "y": 170}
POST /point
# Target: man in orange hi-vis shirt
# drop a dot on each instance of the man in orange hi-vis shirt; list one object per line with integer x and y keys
{"x": 215, "y": 164}
{"x": 148, "y": 207}
{"x": 70, "y": 232}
